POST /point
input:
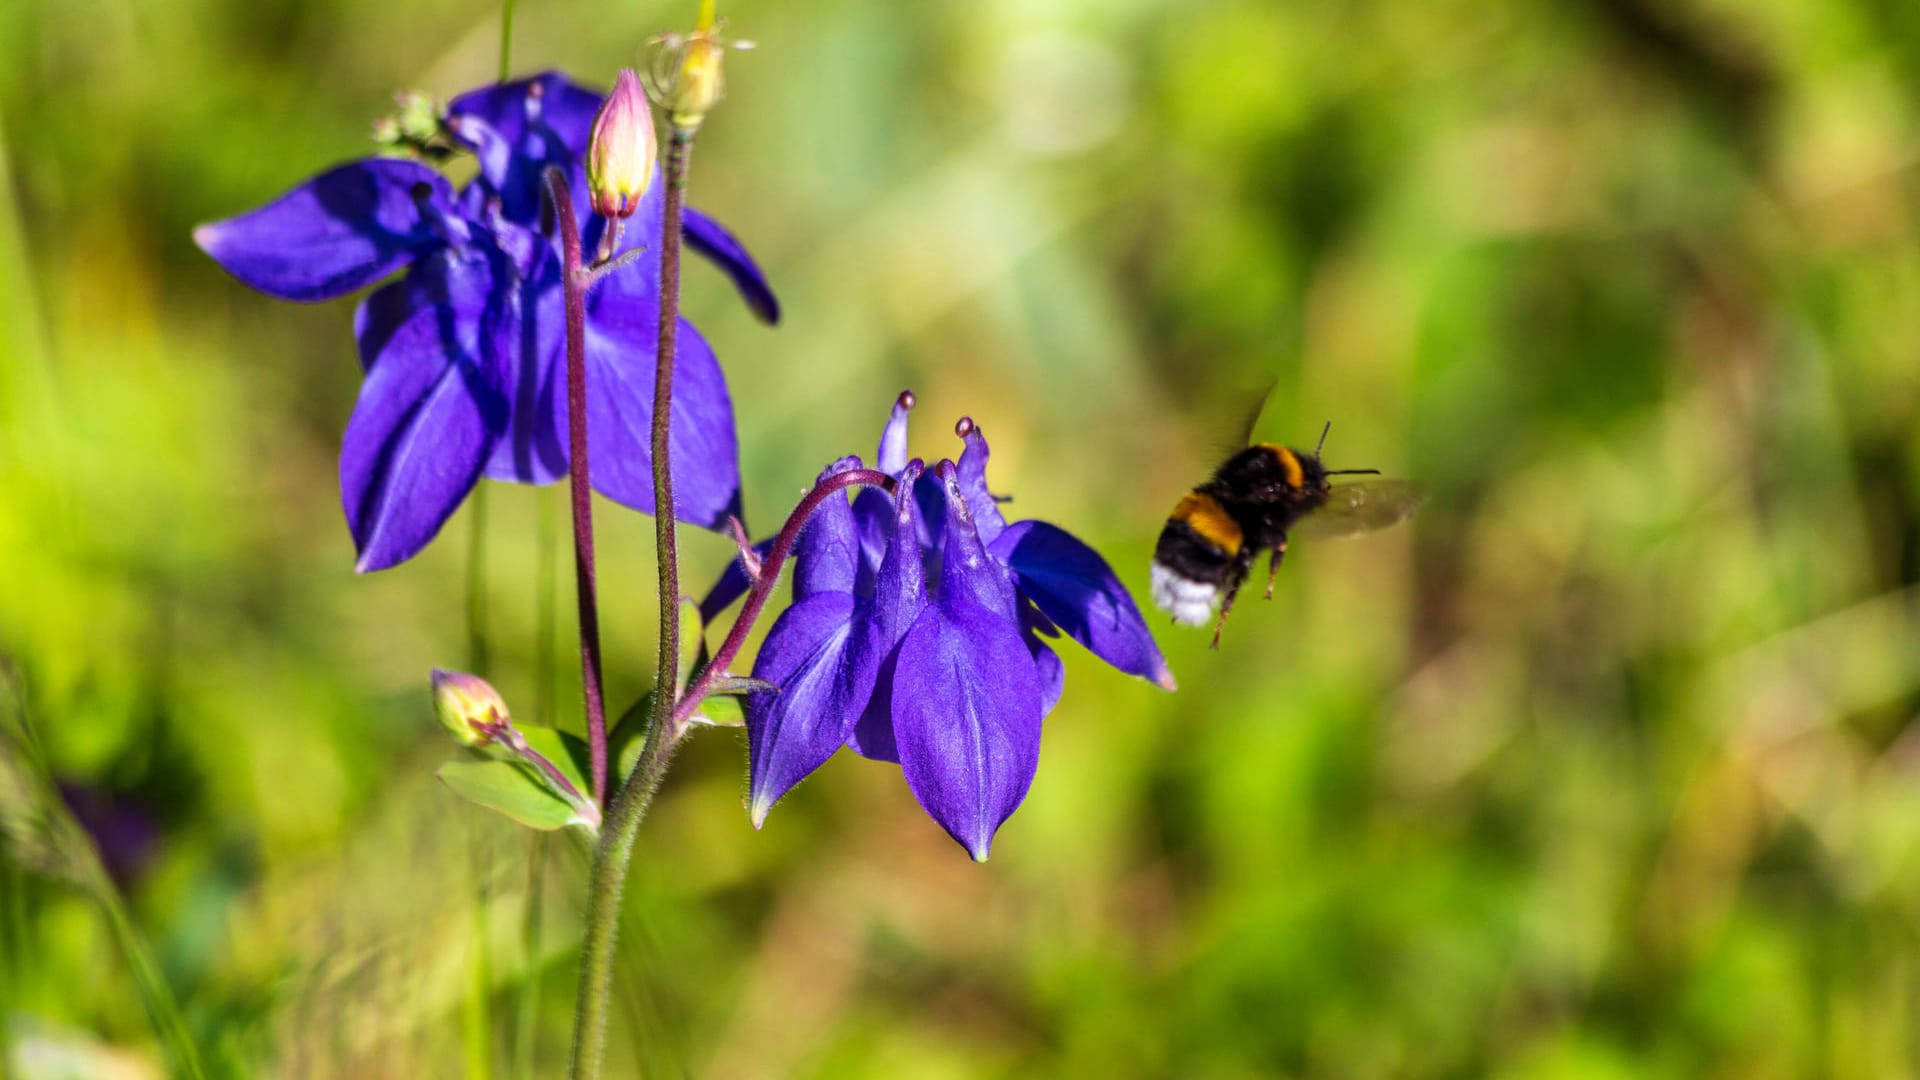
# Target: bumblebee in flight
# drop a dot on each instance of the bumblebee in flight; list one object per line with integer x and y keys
{"x": 1219, "y": 529}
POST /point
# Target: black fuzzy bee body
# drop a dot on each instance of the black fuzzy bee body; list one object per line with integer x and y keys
{"x": 1255, "y": 498}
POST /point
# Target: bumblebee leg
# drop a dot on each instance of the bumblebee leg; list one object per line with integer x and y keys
{"x": 1242, "y": 566}
{"x": 1226, "y": 606}
{"x": 1273, "y": 564}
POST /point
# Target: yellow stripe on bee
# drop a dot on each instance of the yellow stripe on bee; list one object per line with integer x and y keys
{"x": 1204, "y": 515}
{"x": 1289, "y": 463}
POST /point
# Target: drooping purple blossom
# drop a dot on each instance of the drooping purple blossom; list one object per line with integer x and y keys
{"x": 464, "y": 355}
{"x": 124, "y": 829}
{"x": 916, "y": 636}
{"x": 825, "y": 651}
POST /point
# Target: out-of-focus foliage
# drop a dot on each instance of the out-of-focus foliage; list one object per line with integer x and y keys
{"x": 1604, "y": 766}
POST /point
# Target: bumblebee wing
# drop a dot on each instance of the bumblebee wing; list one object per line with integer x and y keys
{"x": 1361, "y": 507}
{"x": 1252, "y": 411}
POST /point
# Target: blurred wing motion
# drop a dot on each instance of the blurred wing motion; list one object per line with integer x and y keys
{"x": 1251, "y": 412}
{"x": 1361, "y": 507}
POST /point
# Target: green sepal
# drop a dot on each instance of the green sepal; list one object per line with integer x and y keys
{"x": 741, "y": 686}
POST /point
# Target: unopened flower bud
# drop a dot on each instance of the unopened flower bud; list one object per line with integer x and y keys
{"x": 700, "y": 82}
{"x": 468, "y": 707}
{"x": 623, "y": 151}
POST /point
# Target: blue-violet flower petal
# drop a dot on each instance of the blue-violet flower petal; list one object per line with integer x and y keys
{"x": 711, "y": 239}
{"x": 340, "y": 231}
{"x": 1079, "y": 592}
{"x": 621, "y": 346}
{"x": 967, "y": 699}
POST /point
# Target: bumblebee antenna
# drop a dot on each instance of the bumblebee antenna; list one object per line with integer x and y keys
{"x": 1317, "y": 447}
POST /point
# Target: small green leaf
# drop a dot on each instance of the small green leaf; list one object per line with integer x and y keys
{"x": 630, "y": 737}
{"x": 567, "y": 751}
{"x": 720, "y": 711}
{"x": 692, "y": 638}
{"x": 509, "y": 789}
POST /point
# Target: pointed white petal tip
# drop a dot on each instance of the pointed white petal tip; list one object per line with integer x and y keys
{"x": 757, "y": 810}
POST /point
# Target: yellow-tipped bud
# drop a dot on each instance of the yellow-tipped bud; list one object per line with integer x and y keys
{"x": 623, "y": 150}
{"x": 468, "y": 707}
{"x": 688, "y": 77}
{"x": 700, "y": 82}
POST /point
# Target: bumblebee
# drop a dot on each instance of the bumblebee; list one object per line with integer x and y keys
{"x": 1255, "y": 499}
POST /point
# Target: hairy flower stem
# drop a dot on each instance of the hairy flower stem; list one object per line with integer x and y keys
{"x": 608, "y": 878}
{"x": 575, "y": 285}
{"x": 609, "y": 875}
{"x": 679, "y": 153}
{"x": 630, "y": 803}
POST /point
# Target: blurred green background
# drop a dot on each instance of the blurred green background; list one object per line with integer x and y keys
{"x": 1605, "y": 766}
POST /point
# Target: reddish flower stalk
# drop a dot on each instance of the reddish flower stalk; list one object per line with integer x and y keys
{"x": 769, "y": 576}
{"x": 575, "y": 279}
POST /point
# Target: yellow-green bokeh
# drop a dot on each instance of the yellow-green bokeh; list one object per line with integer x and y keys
{"x": 1604, "y": 766}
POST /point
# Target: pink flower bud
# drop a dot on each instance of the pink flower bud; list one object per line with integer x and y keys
{"x": 623, "y": 151}
{"x": 468, "y": 707}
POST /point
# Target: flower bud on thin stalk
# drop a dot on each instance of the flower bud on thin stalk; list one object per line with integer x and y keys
{"x": 688, "y": 76}
{"x": 621, "y": 156}
{"x": 468, "y": 707}
{"x": 476, "y": 715}
{"x": 699, "y": 84}
{"x": 696, "y": 84}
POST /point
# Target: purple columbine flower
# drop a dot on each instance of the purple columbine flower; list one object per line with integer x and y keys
{"x": 916, "y": 636}
{"x": 465, "y": 355}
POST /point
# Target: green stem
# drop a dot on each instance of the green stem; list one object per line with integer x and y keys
{"x": 477, "y": 580}
{"x": 527, "y": 1009}
{"x": 526, "y": 1034}
{"x": 476, "y": 1017}
{"x": 546, "y": 614}
{"x": 506, "y": 39}
{"x": 13, "y": 937}
{"x": 527, "y": 1022}
{"x": 161, "y": 1008}
{"x": 476, "y": 1020}
{"x": 609, "y": 876}
{"x": 661, "y": 731}
{"x": 679, "y": 153}
{"x": 607, "y": 882}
